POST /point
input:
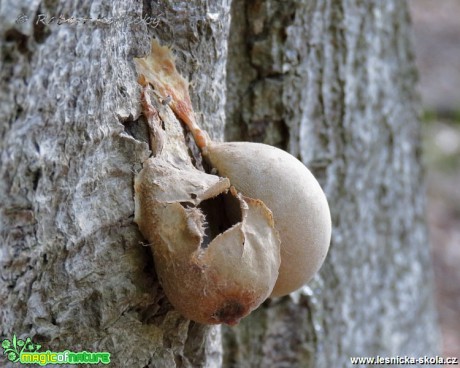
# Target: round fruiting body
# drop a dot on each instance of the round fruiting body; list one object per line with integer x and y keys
{"x": 221, "y": 279}
{"x": 291, "y": 192}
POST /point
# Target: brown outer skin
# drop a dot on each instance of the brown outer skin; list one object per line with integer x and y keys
{"x": 299, "y": 205}
{"x": 226, "y": 280}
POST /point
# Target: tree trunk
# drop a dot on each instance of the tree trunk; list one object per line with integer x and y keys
{"x": 330, "y": 81}
{"x": 74, "y": 272}
{"x": 333, "y": 83}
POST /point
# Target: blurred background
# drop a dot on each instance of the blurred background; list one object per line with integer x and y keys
{"x": 436, "y": 37}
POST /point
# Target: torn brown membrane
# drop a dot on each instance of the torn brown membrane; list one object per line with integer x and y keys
{"x": 216, "y": 252}
{"x": 159, "y": 70}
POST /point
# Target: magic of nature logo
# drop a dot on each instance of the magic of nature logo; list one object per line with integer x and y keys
{"x": 27, "y": 352}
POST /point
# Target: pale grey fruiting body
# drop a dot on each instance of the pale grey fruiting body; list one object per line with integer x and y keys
{"x": 291, "y": 192}
{"x": 222, "y": 280}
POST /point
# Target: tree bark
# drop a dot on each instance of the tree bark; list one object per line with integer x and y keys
{"x": 333, "y": 83}
{"x": 74, "y": 272}
{"x": 330, "y": 81}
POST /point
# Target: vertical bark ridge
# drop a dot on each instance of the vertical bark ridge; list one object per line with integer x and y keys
{"x": 353, "y": 121}
{"x": 74, "y": 272}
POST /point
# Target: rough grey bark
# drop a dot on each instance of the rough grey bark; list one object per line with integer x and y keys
{"x": 339, "y": 77}
{"x": 331, "y": 81}
{"x": 74, "y": 273}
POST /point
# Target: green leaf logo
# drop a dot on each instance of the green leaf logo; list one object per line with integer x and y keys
{"x": 13, "y": 349}
{"x": 6, "y": 344}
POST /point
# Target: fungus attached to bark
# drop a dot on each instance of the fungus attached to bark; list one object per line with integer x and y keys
{"x": 288, "y": 188}
{"x": 216, "y": 269}
{"x": 209, "y": 280}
